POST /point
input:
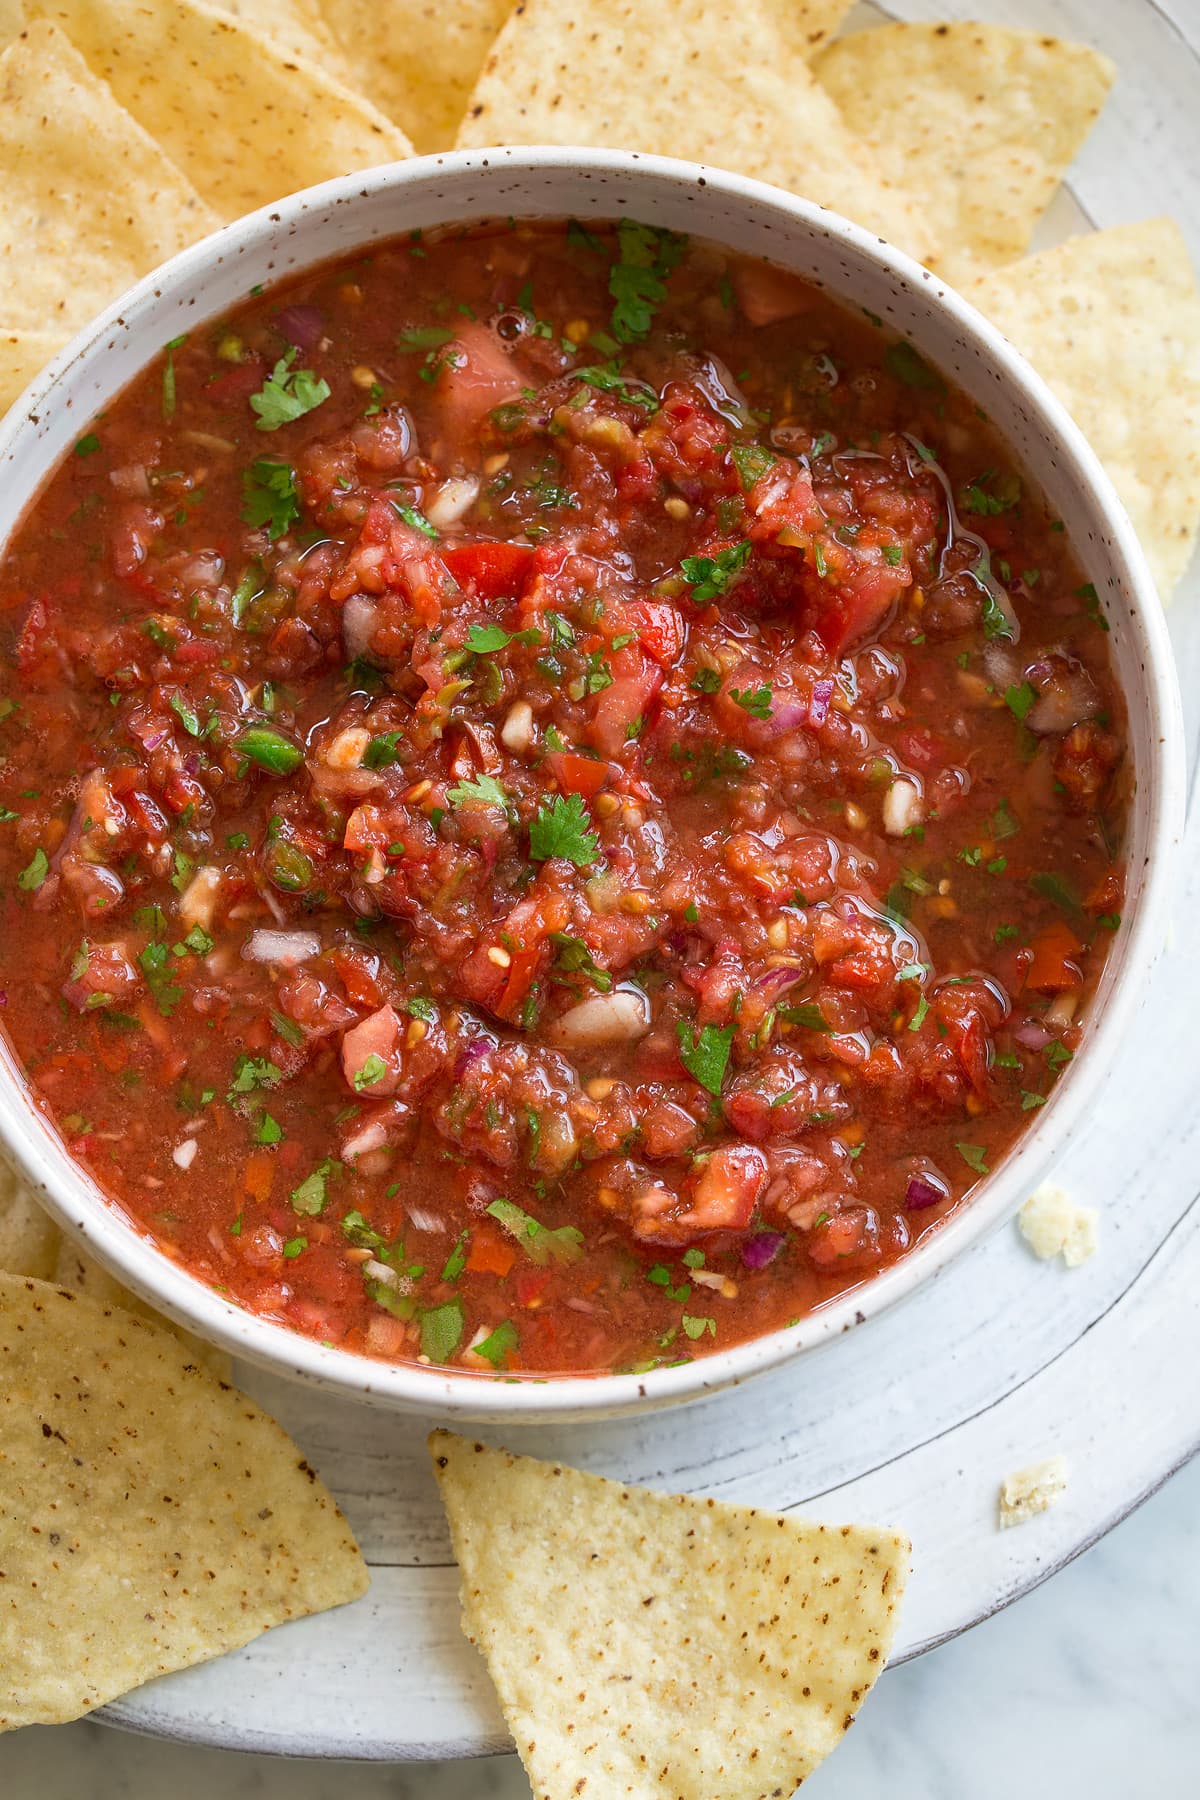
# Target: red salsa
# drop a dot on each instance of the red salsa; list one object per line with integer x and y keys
{"x": 561, "y": 800}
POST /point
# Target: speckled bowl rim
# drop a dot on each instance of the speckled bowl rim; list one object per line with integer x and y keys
{"x": 656, "y": 188}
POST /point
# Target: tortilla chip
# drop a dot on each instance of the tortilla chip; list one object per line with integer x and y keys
{"x": 245, "y": 123}
{"x": 29, "y": 1238}
{"x": 88, "y": 202}
{"x": 295, "y": 27}
{"x": 648, "y": 1643}
{"x": 716, "y": 80}
{"x": 22, "y": 354}
{"x": 76, "y": 1270}
{"x": 976, "y": 122}
{"x": 1112, "y": 321}
{"x": 150, "y": 1516}
{"x": 421, "y": 70}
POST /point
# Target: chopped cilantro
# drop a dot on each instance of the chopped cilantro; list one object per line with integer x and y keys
{"x": 373, "y": 1070}
{"x": 975, "y": 1157}
{"x": 87, "y": 445}
{"x": 637, "y": 282}
{"x": 1018, "y": 700}
{"x": 695, "y": 1327}
{"x": 709, "y": 576}
{"x": 706, "y": 681}
{"x": 268, "y": 1130}
{"x": 441, "y": 1331}
{"x": 540, "y": 1243}
{"x": 573, "y": 957}
{"x": 485, "y": 640}
{"x": 311, "y": 1196}
{"x": 35, "y": 872}
{"x": 287, "y": 394}
{"x": 456, "y": 1262}
{"x": 294, "y": 1246}
{"x": 485, "y": 790}
{"x": 705, "y": 1054}
{"x": 156, "y": 967}
{"x": 560, "y": 829}
{"x": 382, "y": 750}
{"x": 755, "y": 701}
{"x": 609, "y": 380}
{"x": 269, "y": 496}
{"x": 1054, "y": 888}
{"x": 908, "y": 366}
{"x": 499, "y": 1344}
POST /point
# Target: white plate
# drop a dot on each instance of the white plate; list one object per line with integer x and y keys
{"x": 914, "y": 1419}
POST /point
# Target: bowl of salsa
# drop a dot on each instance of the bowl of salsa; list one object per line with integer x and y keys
{"x": 587, "y": 763}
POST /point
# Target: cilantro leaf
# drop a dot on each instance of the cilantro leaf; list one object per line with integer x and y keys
{"x": 574, "y": 958}
{"x": 709, "y": 576}
{"x": 910, "y": 367}
{"x": 373, "y": 1070}
{"x": 1019, "y": 698}
{"x": 705, "y": 1054}
{"x": 35, "y": 872}
{"x": 541, "y": 1243}
{"x": 287, "y": 394}
{"x": 269, "y": 496}
{"x": 499, "y": 1344}
{"x": 156, "y": 967}
{"x": 609, "y": 380}
{"x": 456, "y": 1262}
{"x": 754, "y": 701}
{"x": 485, "y": 790}
{"x": 637, "y": 282}
{"x": 807, "y": 1013}
{"x": 975, "y": 1157}
{"x": 311, "y": 1196}
{"x": 441, "y": 1331}
{"x": 561, "y": 829}
{"x": 485, "y": 640}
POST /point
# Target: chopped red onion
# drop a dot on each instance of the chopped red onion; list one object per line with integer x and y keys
{"x": 1032, "y": 1035}
{"x": 921, "y": 1193}
{"x": 776, "y": 982}
{"x": 303, "y": 326}
{"x": 818, "y": 706}
{"x": 471, "y": 1053}
{"x": 762, "y": 1249}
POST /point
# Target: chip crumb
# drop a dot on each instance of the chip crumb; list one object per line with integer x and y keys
{"x": 1052, "y": 1224}
{"x": 1032, "y": 1490}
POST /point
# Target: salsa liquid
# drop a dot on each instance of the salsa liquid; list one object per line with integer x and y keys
{"x": 562, "y": 800}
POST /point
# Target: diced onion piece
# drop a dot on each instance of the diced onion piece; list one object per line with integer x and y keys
{"x": 184, "y": 1155}
{"x": 615, "y": 1018}
{"x": 348, "y": 748}
{"x": 422, "y": 1219}
{"x": 359, "y": 618}
{"x": 198, "y": 902}
{"x": 454, "y": 498}
{"x": 383, "y": 1272}
{"x": 902, "y": 808}
{"x": 286, "y": 948}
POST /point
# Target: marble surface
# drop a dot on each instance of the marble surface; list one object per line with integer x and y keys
{"x": 1088, "y": 1686}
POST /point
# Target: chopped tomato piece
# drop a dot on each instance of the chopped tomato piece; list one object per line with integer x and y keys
{"x": 491, "y": 571}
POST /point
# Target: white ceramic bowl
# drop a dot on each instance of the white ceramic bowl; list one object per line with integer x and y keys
{"x": 341, "y": 217}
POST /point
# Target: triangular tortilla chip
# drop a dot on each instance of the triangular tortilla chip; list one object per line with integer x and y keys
{"x": 421, "y": 70}
{"x": 81, "y": 1274}
{"x": 150, "y": 1516}
{"x": 22, "y": 354}
{"x": 647, "y": 1643}
{"x": 716, "y": 80}
{"x": 29, "y": 1238}
{"x": 976, "y": 122}
{"x": 245, "y": 123}
{"x": 1112, "y": 321}
{"x": 88, "y": 202}
{"x": 296, "y": 27}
